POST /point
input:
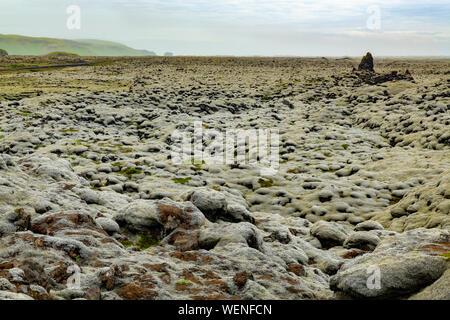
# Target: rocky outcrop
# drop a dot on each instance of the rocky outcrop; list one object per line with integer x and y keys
{"x": 373, "y": 78}
{"x": 366, "y": 63}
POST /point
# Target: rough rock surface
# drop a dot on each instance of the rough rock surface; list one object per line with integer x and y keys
{"x": 406, "y": 263}
{"x": 366, "y": 63}
{"x": 89, "y": 191}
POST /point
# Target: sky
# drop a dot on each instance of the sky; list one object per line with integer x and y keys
{"x": 244, "y": 27}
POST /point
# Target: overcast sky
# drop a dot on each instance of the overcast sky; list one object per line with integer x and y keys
{"x": 245, "y": 27}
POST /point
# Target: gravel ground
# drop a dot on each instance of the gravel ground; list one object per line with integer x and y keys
{"x": 93, "y": 205}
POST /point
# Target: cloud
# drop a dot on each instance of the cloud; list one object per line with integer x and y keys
{"x": 233, "y": 26}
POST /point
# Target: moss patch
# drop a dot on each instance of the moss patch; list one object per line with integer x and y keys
{"x": 129, "y": 172}
{"x": 183, "y": 282}
{"x": 182, "y": 180}
{"x": 145, "y": 241}
{"x": 266, "y": 183}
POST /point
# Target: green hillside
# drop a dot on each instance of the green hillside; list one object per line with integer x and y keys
{"x": 21, "y": 45}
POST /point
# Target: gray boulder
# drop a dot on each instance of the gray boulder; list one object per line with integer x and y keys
{"x": 329, "y": 234}
{"x": 223, "y": 205}
{"x": 362, "y": 240}
{"x": 400, "y": 265}
{"x": 108, "y": 225}
{"x": 368, "y": 225}
{"x": 159, "y": 217}
{"x": 219, "y": 235}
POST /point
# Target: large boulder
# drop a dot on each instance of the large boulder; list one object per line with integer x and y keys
{"x": 400, "y": 266}
{"x": 363, "y": 240}
{"x": 159, "y": 218}
{"x": 330, "y": 234}
{"x": 3, "y": 53}
{"x": 223, "y": 205}
{"x": 219, "y": 235}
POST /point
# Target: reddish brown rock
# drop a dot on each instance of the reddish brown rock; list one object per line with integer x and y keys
{"x": 240, "y": 279}
{"x": 297, "y": 269}
{"x": 133, "y": 291}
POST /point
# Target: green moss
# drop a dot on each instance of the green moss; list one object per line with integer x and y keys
{"x": 127, "y": 243}
{"x": 60, "y": 53}
{"x": 182, "y": 180}
{"x": 68, "y": 130}
{"x": 446, "y": 255}
{"x": 17, "y": 66}
{"x": 183, "y": 282}
{"x": 198, "y": 166}
{"x": 145, "y": 241}
{"x": 1, "y": 137}
{"x": 345, "y": 146}
{"x": 129, "y": 172}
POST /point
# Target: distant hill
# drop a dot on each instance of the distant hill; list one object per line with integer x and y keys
{"x": 21, "y": 45}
